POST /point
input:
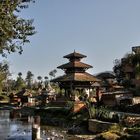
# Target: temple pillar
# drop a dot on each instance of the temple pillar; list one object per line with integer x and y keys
{"x": 97, "y": 95}
{"x": 61, "y": 91}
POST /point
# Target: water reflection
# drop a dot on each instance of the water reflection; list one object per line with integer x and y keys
{"x": 15, "y": 129}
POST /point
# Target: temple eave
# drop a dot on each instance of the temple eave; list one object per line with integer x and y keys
{"x": 81, "y": 77}
{"x": 74, "y": 65}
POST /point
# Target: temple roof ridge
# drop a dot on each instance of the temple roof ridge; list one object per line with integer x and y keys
{"x": 75, "y": 55}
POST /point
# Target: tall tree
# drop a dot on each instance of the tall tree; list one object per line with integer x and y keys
{"x": 29, "y": 79}
{"x": 4, "y": 72}
{"x": 14, "y": 30}
{"x": 20, "y": 83}
{"x": 40, "y": 81}
{"x": 46, "y": 81}
{"x": 129, "y": 62}
{"x": 118, "y": 70}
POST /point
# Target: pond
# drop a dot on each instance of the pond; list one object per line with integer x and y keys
{"x": 21, "y": 129}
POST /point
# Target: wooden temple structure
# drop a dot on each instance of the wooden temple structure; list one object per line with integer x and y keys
{"x": 75, "y": 78}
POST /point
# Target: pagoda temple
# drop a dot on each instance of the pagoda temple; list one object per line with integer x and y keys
{"x": 75, "y": 78}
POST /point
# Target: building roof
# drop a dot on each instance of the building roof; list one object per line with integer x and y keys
{"x": 75, "y": 55}
{"x": 22, "y": 93}
{"x": 106, "y": 75}
{"x": 76, "y": 64}
{"x": 82, "y": 77}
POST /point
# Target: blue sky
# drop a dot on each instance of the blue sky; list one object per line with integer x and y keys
{"x": 101, "y": 29}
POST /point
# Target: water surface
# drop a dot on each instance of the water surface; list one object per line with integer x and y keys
{"x": 21, "y": 129}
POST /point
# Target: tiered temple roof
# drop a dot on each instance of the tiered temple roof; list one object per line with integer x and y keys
{"x": 75, "y": 72}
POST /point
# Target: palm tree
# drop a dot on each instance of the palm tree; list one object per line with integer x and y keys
{"x": 19, "y": 74}
{"x": 39, "y": 78}
{"x": 46, "y": 77}
{"x": 40, "y": 82}
{"x": 52, "y": 73}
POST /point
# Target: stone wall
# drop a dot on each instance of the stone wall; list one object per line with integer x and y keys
{"x": 97, "y": 126}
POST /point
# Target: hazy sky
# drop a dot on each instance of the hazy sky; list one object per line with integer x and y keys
{"x": 101, "y": 29}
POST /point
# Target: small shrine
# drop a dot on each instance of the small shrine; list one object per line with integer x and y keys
{"x": 75, "y": 79}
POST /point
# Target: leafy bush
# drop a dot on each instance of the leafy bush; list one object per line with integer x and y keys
{"x": 70, "y": 104}
{"x": 102, "y": 113}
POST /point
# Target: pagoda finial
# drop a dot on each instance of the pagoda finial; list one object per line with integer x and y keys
{"x": 74, "y": 50}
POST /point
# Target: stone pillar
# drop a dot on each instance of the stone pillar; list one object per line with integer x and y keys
{"x": 36, "y": 128}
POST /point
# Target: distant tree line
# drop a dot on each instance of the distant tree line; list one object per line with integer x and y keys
{"x": 29, "y": 82}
